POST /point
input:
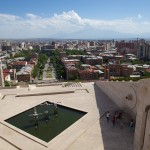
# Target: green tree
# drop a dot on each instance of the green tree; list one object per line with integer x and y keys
{"x": 59, "y": 68}
{"x": 6, "y": 83}
{"x": 35, "y": 71}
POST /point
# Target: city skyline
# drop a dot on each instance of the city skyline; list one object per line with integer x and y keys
{"x": 75, "y": 19}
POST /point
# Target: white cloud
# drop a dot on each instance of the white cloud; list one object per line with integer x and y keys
{"x": 146, "y": 23}
{"x": 8, "y": 18}
{"x": 139, "y": 16}
{"x": 68, "y": 22}
{"x": 32, "y": 16}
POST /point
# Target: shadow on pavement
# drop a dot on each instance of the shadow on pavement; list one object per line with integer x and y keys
{"x": 114, "y": 137}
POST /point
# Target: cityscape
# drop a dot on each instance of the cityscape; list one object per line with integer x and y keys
{"x": 32, "y": 61}
{"x": 71, "y": 79}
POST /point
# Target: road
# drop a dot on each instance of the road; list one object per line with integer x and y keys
{"x": 45, "y": 79}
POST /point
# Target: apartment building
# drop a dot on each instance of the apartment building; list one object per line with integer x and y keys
{"x": 123, "y": 44}
{"x": 88, "y": 74}
{"x": 92, "y": 60}
{"x": 144, "y": 52}
{"x": 117, "y": 70}
{"x": 70, "y": 61}
{"x": 71, "y": 72}
{"x": 24, "y": 74}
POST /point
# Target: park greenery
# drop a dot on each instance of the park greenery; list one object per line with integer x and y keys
{"x": 26, "y": 53}
{"x": 38, "y": 69}
{"x": 59, "y": 68}
{"x": 56, "y": 60}
{"x": 7, "y": 83}
{"x": 42, "y": 60}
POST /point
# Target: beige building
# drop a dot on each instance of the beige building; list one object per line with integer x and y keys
{"x": 92, "y": 132}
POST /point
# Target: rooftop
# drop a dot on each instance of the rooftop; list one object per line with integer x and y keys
{"x": 91, "y": 132}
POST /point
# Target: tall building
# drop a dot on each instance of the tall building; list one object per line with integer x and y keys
{"x": 6, "y": 46}
{"x": 144, "y": 52}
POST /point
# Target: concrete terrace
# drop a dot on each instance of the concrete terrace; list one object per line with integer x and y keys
{"x": 89, "y": 133}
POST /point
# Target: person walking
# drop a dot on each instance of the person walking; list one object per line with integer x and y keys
{"x": 107, "y": 116}
{"x": 131, "y": 125}
{"x": 116, "y": 116}
{"x": 114, "y": 120}
{"x": 121, "y": 125}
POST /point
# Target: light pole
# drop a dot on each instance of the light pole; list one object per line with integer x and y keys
{"x": 107, "y": 71}
{"x": 1, "y": 75}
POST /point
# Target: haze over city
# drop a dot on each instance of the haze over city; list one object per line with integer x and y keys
{"x": 74, "y": 19}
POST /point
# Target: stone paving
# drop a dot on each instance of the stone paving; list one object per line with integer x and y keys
{"x": 89, "y": 133}
{"x": 114, "y": 138}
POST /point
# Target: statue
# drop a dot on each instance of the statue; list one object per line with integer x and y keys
{"x": 35, "y": 115}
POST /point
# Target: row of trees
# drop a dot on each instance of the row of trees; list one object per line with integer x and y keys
{"x": 26, "y": 53}
{"x": 59, "y": 68}
{"x": 38, "y": 69}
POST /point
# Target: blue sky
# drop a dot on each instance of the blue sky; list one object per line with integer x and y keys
{"x": 74, "y": 18}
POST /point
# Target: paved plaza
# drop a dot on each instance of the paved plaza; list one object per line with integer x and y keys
{"x": 91, "y": 132}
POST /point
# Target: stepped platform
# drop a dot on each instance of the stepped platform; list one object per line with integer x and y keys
{"x": 91, "y": 132}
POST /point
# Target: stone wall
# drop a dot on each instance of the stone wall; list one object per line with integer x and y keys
{"x": 122, "y": 93}
{"x": 133, "y": 97}
{"x": 142, "y": 130}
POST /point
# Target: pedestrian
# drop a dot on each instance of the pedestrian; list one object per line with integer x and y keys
{"x": 107, "y": 116}
{"x": 131, "y": 125}
{"x": 116, "y": 116}
{"x": 114, "y": 120}
{"x": 120, "y": 116}
{"x": 121, "y": 125}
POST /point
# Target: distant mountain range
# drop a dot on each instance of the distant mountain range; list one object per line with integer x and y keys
{"x": 90, "y": 34}
{"x": 99, "y": 34}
